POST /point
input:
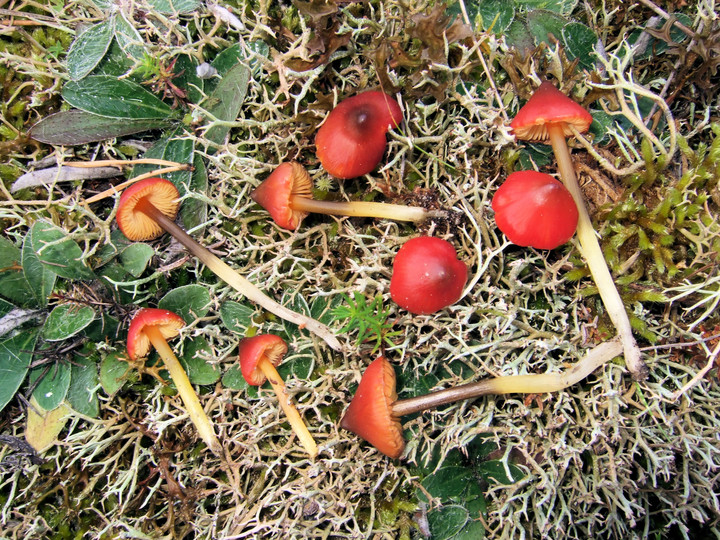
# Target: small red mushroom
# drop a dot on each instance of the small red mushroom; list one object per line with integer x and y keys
{"x": 551, "y": 115}
{"x": 148, "y": 208}
{"x": 351, "y": 142}
{"x": 533, "y": 209}
{"x": 427, "y": 275}
{"x": 287, "y": 195}
{"x": 154, "y": 327}
{"x": 258, "y": 356}
{"x": 375, "y": 411}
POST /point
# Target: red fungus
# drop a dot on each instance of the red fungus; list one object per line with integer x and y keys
{"x": 427, "y": 275}
{"x": 533, "y": 209}
{"x": 287, "y": 195}
{"x": 258, "y": 357}
{"x": 352, "y": 140}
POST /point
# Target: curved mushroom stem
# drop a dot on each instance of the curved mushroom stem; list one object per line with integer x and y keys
{"x": 397, "y": 212}
{"x": 192, "y": 403}
{"x": 595, "y": 259}
{"x": 296, "y": 421}
{"x": 513, "y": 384}
{"x": 235, "y": 280}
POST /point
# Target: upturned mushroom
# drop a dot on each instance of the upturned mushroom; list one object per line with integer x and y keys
{"x": 533, "y": 209}
{"x": 148, "y": 208}
{"x": 258, "y": 356}
{"x": 287, "y": 195}
{"x": 374, "y": 412}
{"x": 427, "y": 275}
{"x": 549, "y": 115}
{"x": 352, "y": 140}
{"x": 154, "y": 327}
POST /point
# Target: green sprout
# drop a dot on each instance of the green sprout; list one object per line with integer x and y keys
{"x": 370, "y": 320}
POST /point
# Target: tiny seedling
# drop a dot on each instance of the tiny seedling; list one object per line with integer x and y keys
{"x": 369, "y": 319}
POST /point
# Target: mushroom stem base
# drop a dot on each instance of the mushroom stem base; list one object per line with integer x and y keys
{"x": 592, "y": 252}
{"x": 296, "y": 421}
{"x": 192, "y": 403}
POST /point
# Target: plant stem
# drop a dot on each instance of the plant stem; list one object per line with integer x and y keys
{"x": 235, "y": 280}
{"x": 397, "y": 212}
{"x": 513, "y": 384}
{"x": 296, "y": 422}
{"x": 593, "y": 255}
{"x": 192, "y": 403}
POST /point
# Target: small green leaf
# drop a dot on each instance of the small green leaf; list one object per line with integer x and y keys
{"x": 15, "y": 356}
{"x": 236, "y": 317}
{"x": 190, "y": 302}
{"x": 13, "y": 284}
{"x": 519, "y": 37}
{"x": 563, "y": 7}
{"x": 193, "y": 212}
{"x": 128, "y": 38}
{"x": 114, "y": 372}
{"x": 195, "y": 360}
{"x": 66, "y": 320}
{"x": 40, "y": 278}
{"x": 52, "y": 388}
{"x": 186, "y": 78}
{"x": 227, "y": 100}
{"x": 579, "y": 42}
{"x": 173, "y": 7}
{"x": 494, "y": 471}
{"x": 84, "y": 382}
{"x": 57, "y": 251}
{"x": 173, "y": 147}
{"x": 234, "y": 380}
{"x": 544, "y": 24}
{"x": 89, "y": 48}
{"x": 447, "y": 521}
{"x": 115, "y": 98}
{"x": 136, "y": 257}
{"x": 447, "y": 483}
{"x": 297, "y": 367}
{"x": 497, "y": 14}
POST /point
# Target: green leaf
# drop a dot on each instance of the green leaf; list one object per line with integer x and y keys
{"x": 187, "y": 79}
{"x": 579, "y": 42}
{"x": 543, "y": 24}
{"x": 128, "y": 38}
{"x": 234, "y": 380}
{"x": 447, "y": 521}
{"x": 190, "y": 302}
{"x": 298, "y": 367}
{"x": 236, "y": 317}
{"x": 66, "y": 320}
{"x": 172, "y": 147}
{"x": 115, "y": 98}
{"x": 228, "y": 59}
{"x": 519, "y": 37}
{"x": 114, "y": 372}
{"x": 57, "y": 251}
{"x": 40, "y": 278}
{"x": 89, "y": 48}
{"x": 75, "y": 127}
{"x": 447, "y": 483}
{"x": 171, "y": 7}
{"x": 195, "y": 360}
{"x": 226, "y": 101}
{"x": 136, "y": 257}
{"x": 563, "y": 7}
{"x": 494, "y": 470}
{"x": 13, "y": 284}
{"x": 193, "y": 212}
{"x": 52, "y": 388}
{"x": 5, "y": 307}
{"x": 84, "y": 382}
{"x": 15, "y": 357}
{"x": 496, "y": 13}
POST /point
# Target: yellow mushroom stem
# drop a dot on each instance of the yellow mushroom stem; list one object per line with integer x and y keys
{"x": 296, "y": 421}
{"x": 513, "y": 384}
{"x": 593, "y": 255}
{"x": 235, "y": 280}
{"x": 185, "y": 389}
{"x": 397, "y": 212}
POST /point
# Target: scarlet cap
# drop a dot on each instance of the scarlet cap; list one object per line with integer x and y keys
{"x": 549, "y": 106}
{"x": 275, "y": 193}
{"x": 252, "y": 350}
{"x": 370, "y": 415}
{"x": 533, "y": 209}
{"x": 352, "y": 140}
{"x": 169, "y": 324}
{"x": 427, "y": 275}
{"x": 137, "y": 226}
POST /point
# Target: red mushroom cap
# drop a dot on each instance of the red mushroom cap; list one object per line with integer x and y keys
{"x": 533, "y": 209}
{"x": 274, "y": 194}
{"x": 548, "y": 105}
{"x": 169, "y": 324}
{"x": 370, "y": 415}
{"x": 136, "y": 226}
{"x": 352, "y": 140}
{"x": 252, "y": 350}
{"x": 427, "y": 275}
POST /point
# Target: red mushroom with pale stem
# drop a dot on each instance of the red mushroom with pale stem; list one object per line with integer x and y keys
{"x": 287, "y": 195}
{"x": 352, "y": 140}
{"x": 551, "y": 115}
{"x": 427, "y": 275}
{"x": 148, "y": 208}
{"x": 258, "y": 356}
{"x": 374, "y": 412}
{"x": 154, "y": 327}
{"x": 533, "y": 209}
